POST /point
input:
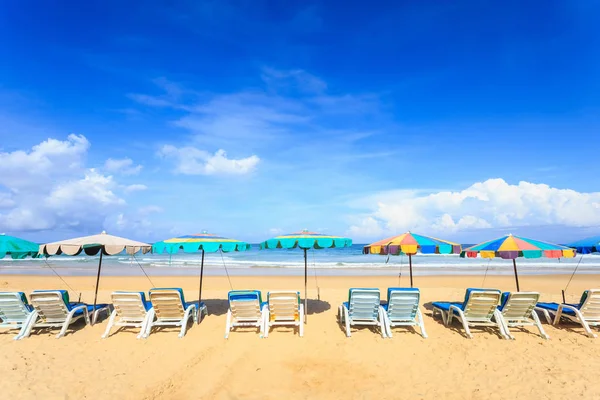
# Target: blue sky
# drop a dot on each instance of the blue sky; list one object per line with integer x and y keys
{"x": 460, "y": 119}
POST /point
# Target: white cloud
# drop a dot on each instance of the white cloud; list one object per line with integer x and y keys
{"x": 136, "y": 187}
{"x": 193, "y": 161}
{"x": 122, "y": 166}
{"x": 45, "y": 162}
{"x": 49, "y": 187}
{"x": 490, "y": 204}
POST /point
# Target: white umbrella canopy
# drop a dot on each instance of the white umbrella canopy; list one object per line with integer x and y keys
{"x": 103, "y": 243}
{"x": 91, "y": 245}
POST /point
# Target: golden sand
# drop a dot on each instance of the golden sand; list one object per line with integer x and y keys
{"x": 323, "y": 364}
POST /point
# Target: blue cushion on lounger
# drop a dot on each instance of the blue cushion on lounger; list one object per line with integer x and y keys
{"x": 503, "y": 300}
{"x": 554, "y": 307}
{"x": 445, "y": 305}
{"x": 90, "y": 307}
{"x": 247, "y": 295}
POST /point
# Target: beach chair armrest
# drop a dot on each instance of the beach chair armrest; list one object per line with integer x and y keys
{"x": 568, "y": 307}
{"x": 77, "y": 308}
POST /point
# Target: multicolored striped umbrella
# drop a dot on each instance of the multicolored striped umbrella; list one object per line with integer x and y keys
{"x": 587, "y": 245}
{"x": 510, "y": 247}
{"x": 410, "y": 243}
{"x": 17, "y": 248}
{"x": 306, "y": 240}
{"x": 205, "y": 242}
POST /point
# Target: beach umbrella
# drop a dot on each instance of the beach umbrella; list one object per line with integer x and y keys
{"x": 17, "y": 248}
{"x": 103, "y": 243}
{"x": 410, "y": 244}
{"x": 587, "y": 245}
{"x": 510, "y": 247}
{"x": 205, "y": 242}
{"x": 306, "y": 240}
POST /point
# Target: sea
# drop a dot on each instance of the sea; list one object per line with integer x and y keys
{"x": 324, "y": 262}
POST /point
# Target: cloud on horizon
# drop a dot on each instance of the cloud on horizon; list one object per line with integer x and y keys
{"x": 491, "y": 204}
{"x": 50, "y": 187}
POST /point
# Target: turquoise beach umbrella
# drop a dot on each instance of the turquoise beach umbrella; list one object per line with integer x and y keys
{"x": 205, "y": 242}
{"x": 306, "y": 240}
{"x": 17, "y": 248}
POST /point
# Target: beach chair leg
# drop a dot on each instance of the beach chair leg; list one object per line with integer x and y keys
{"x": 26, "y": 325}
{"x": 558, "y": 315}
{"x": 382, "y": 324}
{"x": 147, "y": 321}
{"x": 110, "y": 324}
{"x": 538, "y": 324}
{"x": 191, "y": 311}
{"x": 27, "y": 329}
{"x": 347, "y": 320}
{"x": 546, "y": 315}
{"x": 462, "y": 318}
{"x": 86, "y": 316}
{"x": 67, "y": 322}
{"x": 448, "y": 317}
{"x": 301, "y": 324}
{"x": 265, "y": 323}
{"x": 584, "y": 323}
{"x": 388, "y": 324}
{"x": 148, "y": 329}
{"x": 421, "y": 324}
{"x": 228, "y": 324}
{"x": 502, "y": 325}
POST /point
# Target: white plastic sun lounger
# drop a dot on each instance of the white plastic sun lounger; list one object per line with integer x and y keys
{"x": 284, "y": 308}
{"x": 362, "y": 308}
{"x": 54, "y": 310}
{"x": 171, "y": 309}
{"x": 402, "y": 309}
{"x": 131, "y": 309}
{"x": 246, "y": 309}
{"x": 517, "y": 310}
{"x": 480, "y": 308}
{"x": 586, "y": 313}
{"x": 15, "y": 312}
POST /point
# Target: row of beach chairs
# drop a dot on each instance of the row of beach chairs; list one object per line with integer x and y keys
{"x": 167, "y": 307}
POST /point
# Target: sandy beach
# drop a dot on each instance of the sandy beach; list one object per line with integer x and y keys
{"x": 322, "y": 364}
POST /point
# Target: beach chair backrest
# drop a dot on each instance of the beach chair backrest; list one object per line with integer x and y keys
{"x": 480, "y": 304}
{"x": 403, "y": 303}
{"x": 13, "y": 307}
{"x": 364, "y": 304}
{"x": 518, "y": 305}
{"x": 284, "y": 306}
{"x": 245, "y": 305}
{"x": 52, "y": 305}
{"x": 167, "y": 303}
{"x": 589, "y": 305}
{"x": 130, "y": 305}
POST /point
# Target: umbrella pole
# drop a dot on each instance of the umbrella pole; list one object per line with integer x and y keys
{"x": 97, "y": 283}
{"x": 516, "y": 274}
{"x": 410, "y": 267}
{"x": 305, "y": 286}
{"x": 200, "y": 289}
